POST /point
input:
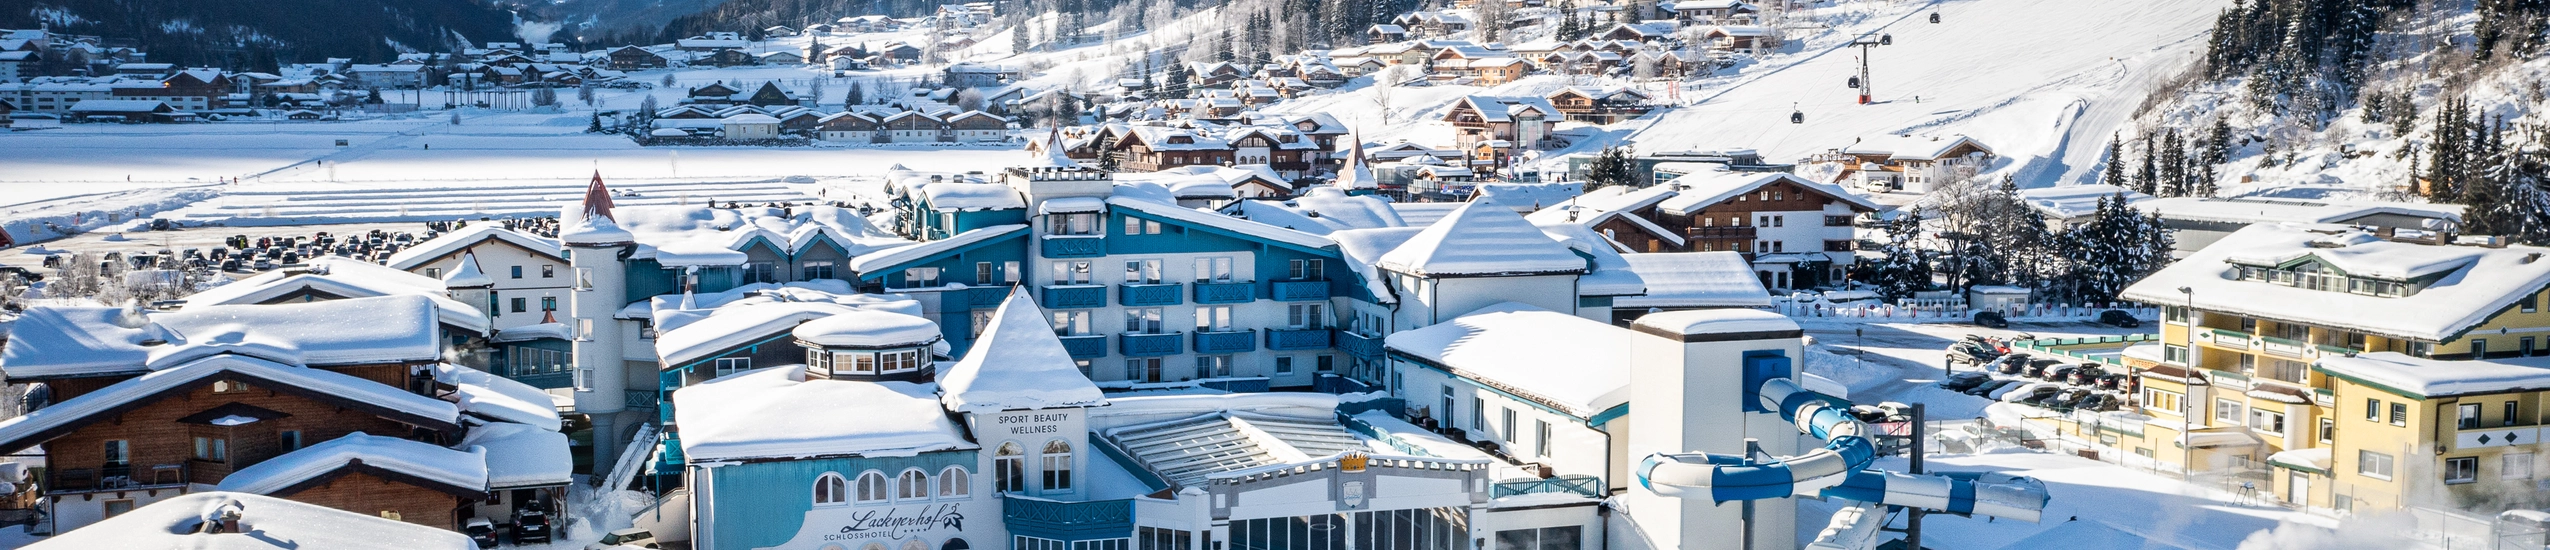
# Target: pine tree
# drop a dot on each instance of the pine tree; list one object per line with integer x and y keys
{"x": 2173, "y": 165}
{"x": 1612, "y": 168}
{"x": 595, "y": 127}
{"x": 2114, "y": 174}
{"x": 2146, "y": 177}
{"x": 1906, "y": 267}
{"x": 1018, "y": 36}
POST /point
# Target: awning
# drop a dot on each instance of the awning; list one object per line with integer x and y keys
{"x": 2309, "y": 460}
{"x": 1792, "y": 258}
{"x": 2220, "y": 437}
{"x": 1072, "y": 205}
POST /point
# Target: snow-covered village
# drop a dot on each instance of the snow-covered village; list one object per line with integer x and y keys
{"x": 801, "y": 275}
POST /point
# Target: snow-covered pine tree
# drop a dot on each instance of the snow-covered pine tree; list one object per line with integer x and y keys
{"x": 2114, "y": 174}
{"x": 2147, "y": 176}
{"x": 2173, "y": 165}
{"x": 2027, "y": 245}
{"x": 1906, "y": 266}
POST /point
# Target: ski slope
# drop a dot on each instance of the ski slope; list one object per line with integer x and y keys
{"x": 2042, "y": 82}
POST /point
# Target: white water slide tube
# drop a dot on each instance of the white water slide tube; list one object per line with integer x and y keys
{"x": 1838, "y": 470}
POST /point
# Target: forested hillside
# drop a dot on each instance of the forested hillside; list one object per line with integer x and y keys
{"x": 257, "y": 34}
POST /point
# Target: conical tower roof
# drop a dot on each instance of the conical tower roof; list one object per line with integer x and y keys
{"x": 1018, "y": 363}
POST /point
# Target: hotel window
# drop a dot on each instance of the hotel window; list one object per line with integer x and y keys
{"x": 760, "y": 272}
{"x": 2266, "y": 421}
{"x": 2173, "y": 354}
{"x": 2372, "y": 410}
{"x": 1072, "y": 322}
{"x": 1137, "y": 226}
{"x": 1540, "y": 440}
{"x": 2468, "y": 415}
{"x": 1072, "y": 273}
{"x": 917, "y": 277}
{"x": 1283, "y": 365}
{"x": 732, "y": 365}
{"x": 1009, "y": 469}
{"x": 912, "y": 484}
{"x": 2399, "y": 414}
{"x": 984, "y": 274}
{"x": 2479, "y": 348}
{"x": 2461, "y": 470}
{"x": 1305, "y": 315}
{"x": 854, "y": 363}
{"x": 2373, "y": 465}
{"x": 519, "y": 305}
{"x": 1478, "y": 413}
{"x": 1212, "y": 366}
{"x": 517, "y": 272}
{"x": 2515, "y": 466}
{"x": 1213, "y": 318}
{"x": 1308, "y": 270}
{"x": 2531, "y": 303}
{"x": 955, "y": 483}
{"x": 434, "y": 273}
{"x": 898, "y": 361}
{"x": 548, "y": 271}
{"x": 982, "y": 320}
{"x": 1213, "y": 269}
{"x": 1143, "y": 320}
{"x": 2228, "y": 411}
{"x": 2174, "y": 314}
{"x": 233, "y": 386}
{"x": 1084, "y": 223}
{"x": 2328, "y": 430}
{"x": 1508, "y": 432}
{"x": 212, "y": 448}
{"x": 2512, "y": 414}
{"x": 871, "y": 487}
{"x": 1142, "y": 272}
{"x": 548, "y": 303}
{"x": 1057, "y": 462}
{"x": 817, "y": 270}
{"x": 1142, "y": 369}
{"x": 831, "y": 489}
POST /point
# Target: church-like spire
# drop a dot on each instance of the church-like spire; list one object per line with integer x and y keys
{"x": 597, "y": 199}
{"x": 1354, "y": 174}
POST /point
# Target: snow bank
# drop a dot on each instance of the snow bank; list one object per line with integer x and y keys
{"x": 264, "y": 522}
{"x": 461, "y": 469}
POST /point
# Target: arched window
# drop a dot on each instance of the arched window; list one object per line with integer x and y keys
{"x": 956, "y": 544}
{"x": 873, "y": 546}
{"x": 912, "y": 484}
{"x": 831, "y": 489}
{"x": 871, "y": 487}
{"x": 1009, "y": 468}
{"x": 915, "y": 544}
{"x": 1057, "y": 465}
{"x": 954, "y": 482}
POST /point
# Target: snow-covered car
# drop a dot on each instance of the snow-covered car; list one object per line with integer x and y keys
{"x": 1987, "y": 388}
{"x": 480, "y": 531}
{"x": 2036, "y": 391}
{"x": 1964, "y": 380}
{"x": 623, "y": 538}
{"x": 2013, "y": 386}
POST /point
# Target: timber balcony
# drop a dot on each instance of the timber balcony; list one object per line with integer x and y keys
{"x": 1149, "y": 294}
{"x": 1720, "y": 232}
{"x": 1074, "y": 247}
{"x": 1360, "y": 346}
{"x": 1298, "y": 291}
{"x": 1297, "y": 339}
{"x": 1225, "y": 293}
{"x": 1074, "y": 296}
{"x": 1232, "y": 341}
{"x": 1132, "y": 344}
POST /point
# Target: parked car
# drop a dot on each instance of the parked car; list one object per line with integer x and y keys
{"x": 1991, "y": 319}
{"x": 2085, "y": 375}
{"x": 1988, "y": 387}
{"x": 625, "y": 537}
{"x": 2005, "y": 390}
{"x": 531, "y": 524}
{"x": 2092, "y": 402}
{"x": 2067, "y": 398}
{"x": 1964, "y": 381}
{"x": 2057, "y": 372}
{"x": 2119, "y": 318}
{"x": 22, "y": 273}
{"x": 480, "y": 531}
{"x": 2032, "y": 393}
{"x": 2111, "y": 382}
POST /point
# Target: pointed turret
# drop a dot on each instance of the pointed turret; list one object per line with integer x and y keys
{"x": 467, "y": 275}
{"x": 1054, "y": 155}
{"x": 1018, "y": 363}
{"x": 590, "y": 222}
{"x": 1354, "y": 175}
{"x": 1482, "y": 238}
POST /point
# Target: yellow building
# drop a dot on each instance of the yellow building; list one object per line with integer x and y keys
{"x": 2411, "y": 431}
{"x": 2246, "y": 318}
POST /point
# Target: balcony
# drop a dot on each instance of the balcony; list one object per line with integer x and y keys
{"x": 1074, "y": 296}
{"x": 1075, "y": 246}
{"x": 1056, "y": 520}
{"x": 1225, "y": 293}
{"x": 2284, "y": 347}
{"x": 1085, "y": 347}
{"x": 1360, "y": 346}
{"x": 1148, "y": 294}
{"x": 641, "y": 399}
{"x": 1298, "y": 291}
{"x": 1235, "y": 341}
{"x": 1297, "y": 339}
{"x": 116, "y": 477}
{"x": 1148, "y": 345}
{"x": 1720, "y": 232}
{"x": 986, "y": 297}
{"x": 2225, "y": 339}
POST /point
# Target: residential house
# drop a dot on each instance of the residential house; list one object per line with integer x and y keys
{"x": 1519, "y": 121}
{"x": 1599, "y": 105}
{"x": 1752, "y": 213}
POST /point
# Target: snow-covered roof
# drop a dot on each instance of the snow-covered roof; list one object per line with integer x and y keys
{"x": 684, "y": 334}
{"x": 702, "y": 235}
{"x": 492, "y": 397}
{"x": 1322, "y": 210}
{"x": 468, "y": 275}
{"x": 93, "y": 341}
{"x": 442, "y": 245}
{"x": 1702, "y": 189}
{"x": 885, "y": 259}
{"x": 2473, "y": 283}
{"x": 1609, "y": 273}
{"x": 265, "y": 523}
{"x": 1363, "y": 248}
{"x": 970, "y": 196}
{"x": 869, "y": 329}
{"x": 1160, "y": 203}
{"x": 1503, "y": 109}
{"x": 1695, "y": 279}
{"x": 730, "y": 418}
{"x": 522, "y": 456}
{"x": 2429, "y": 378}
{"x": 1017, "y": 363}
{"x": 369, "y": 396}
{"x": 2249, "y": 211}
{"x": 1513, "y": 347}
{"x": 2075, "y": 201}
{"x": 1719, "y": 321}
{"x": 535, "y": 331}
{"x": 344, "y": 277}
{"x": 118, "y": 105}
{"x": 1913, "y": 147}
{"x": 1530, "y": 197}
{"x": 1482, "y": 238}
{"x": 459, "y": 471}
{"x": 1236, "y": 441}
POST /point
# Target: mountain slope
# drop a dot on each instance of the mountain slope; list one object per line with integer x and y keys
{"x": 259, "y": 33}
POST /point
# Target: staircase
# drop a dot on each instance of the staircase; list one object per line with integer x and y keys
{"x": 633, "y": 459}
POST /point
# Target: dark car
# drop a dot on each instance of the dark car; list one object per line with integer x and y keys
{"x": 2093, "y": 402}
{"x": 1987, "y": 387}
{"x": 2111, "y": 382}
{"x": 1991, "y": 319}
{"x": 21, "y": 273}
{"x": 2087, "y": 374}
{"x": 2119, "y": 318}
{"x": 1964, "y": 381}
{"x": 2042, "y": 394}
{"x": 480, "y": 531}
{"x": 531, "y": 524}
{"x": 2057, "y": 372}
{"x": 2067, "y": 398}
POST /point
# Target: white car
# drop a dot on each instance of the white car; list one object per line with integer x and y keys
{"x": 625, "y": 538}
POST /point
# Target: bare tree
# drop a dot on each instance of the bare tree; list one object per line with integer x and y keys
{"x": 1492, "y": 16}
{"x": 1385, "y": 84}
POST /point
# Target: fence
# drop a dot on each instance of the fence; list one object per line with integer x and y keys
{"x": 1949, "y": 311}
{"x": 2453, "y": 529}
